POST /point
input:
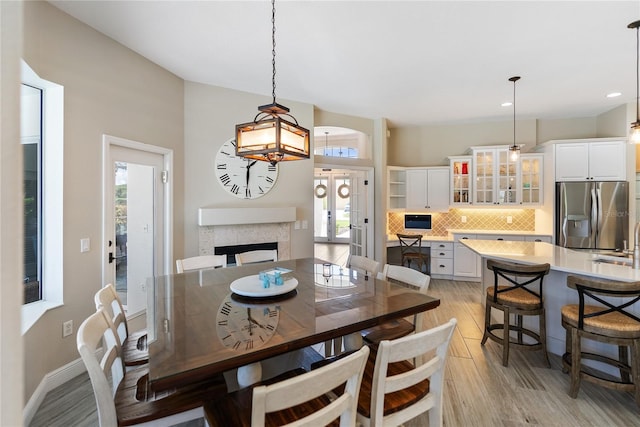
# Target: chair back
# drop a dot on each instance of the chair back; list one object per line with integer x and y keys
{"x": 620, "y": 296}
{"x": 107, "y": 299}
{"x": 303, "y": 388}
{"x": 517, "y": 276}
{"x": 410, "y": 243}
{"x": 430, "y": 348}
{"x": 367, "y": 265}
{"x": 406, "y": 275}
{"x": 198, "y": 262}
{"x": 256, "y": 256}
{"x": 105, "y": 372}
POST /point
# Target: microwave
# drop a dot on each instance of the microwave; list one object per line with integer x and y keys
{"x": 417, "y": 222}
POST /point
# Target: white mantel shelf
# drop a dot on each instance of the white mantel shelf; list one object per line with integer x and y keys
{"x": 237, "y": 216}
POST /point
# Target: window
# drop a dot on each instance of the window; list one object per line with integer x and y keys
{"x": 31, "y": 139}
{"x": 331, "y": 141}
{"x": 42, "y": 121}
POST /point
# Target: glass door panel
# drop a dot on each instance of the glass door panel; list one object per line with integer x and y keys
{"x": 321, "y": 211}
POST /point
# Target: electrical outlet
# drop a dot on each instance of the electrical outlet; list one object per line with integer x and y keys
{"x": 509, "y": 220}
{"x": 463, "y": 219}
{"x": 67, "y": 328}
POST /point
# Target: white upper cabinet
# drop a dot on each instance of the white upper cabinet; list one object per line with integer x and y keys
{"x": 531, "y": 167}
{"x": 427, "y": 189}
{"x": 597, "y": 161}
{"x": 460, "y": 172}
{"x": 495, "y": 177}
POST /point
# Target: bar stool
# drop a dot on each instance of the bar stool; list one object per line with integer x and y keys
{"x": 608, "y": 322}
{"x": 517, "y": 299}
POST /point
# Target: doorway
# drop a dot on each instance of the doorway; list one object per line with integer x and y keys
{"x": 332, "y": 206}
{"x": 136, "y": 222}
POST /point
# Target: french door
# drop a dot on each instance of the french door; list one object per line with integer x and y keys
{"x": 136, "y": 233}
{"x": 332, "y": 206}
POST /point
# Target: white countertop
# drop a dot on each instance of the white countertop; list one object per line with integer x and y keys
{"x": 560, "y": 259}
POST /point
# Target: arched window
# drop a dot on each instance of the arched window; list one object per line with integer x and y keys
{"x": 331, "y": 141}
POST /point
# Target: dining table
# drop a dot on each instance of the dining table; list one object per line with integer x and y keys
{"x": 206, "y": 322}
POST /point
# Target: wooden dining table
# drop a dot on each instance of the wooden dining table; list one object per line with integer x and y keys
{"x": 198, "y": 327}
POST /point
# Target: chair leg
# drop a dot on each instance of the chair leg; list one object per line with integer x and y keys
{"x": 506, "y": 337}
{"x": 487, "y": 322}
{"x": 519, "y": 323}
{"x": 567, "y": 347}
{"x": 623, "y": 357}
{"x": 575, "y": 363}
{"x": 635, "y": 369}
{"x": 543, "y": 337}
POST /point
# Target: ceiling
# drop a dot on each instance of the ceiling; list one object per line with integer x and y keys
{"x": 414, "y": 63}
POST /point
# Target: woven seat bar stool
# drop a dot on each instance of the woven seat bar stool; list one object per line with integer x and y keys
{"x": 603, "y": 315}
{"x": 517, "y": 291}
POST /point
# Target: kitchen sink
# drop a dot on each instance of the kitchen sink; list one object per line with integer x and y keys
{"x": 618, "y": 259}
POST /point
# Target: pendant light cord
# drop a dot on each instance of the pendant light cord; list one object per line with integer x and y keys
{"x": 273, "y": 49}
{"x": 514, "y": 113}
{"x": 637, "y": 74}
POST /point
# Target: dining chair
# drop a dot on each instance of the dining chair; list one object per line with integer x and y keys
{"x": 314, "y": 398}
{"x": 124, "y": 397}
{"x": 602, "y": 316}
{"x": 199, "y": 262}
{"x": 516, "y": 292}
{"x": 134, "y": 345}
{"x": 256, "y": 256}
{"x": 396, "y": 389}
{"x": 400, "y": 327}
{"x": 411, "y": 250}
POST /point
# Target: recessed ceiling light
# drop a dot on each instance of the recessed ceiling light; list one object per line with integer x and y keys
{"x": 506, "y": 104}
{"x": 613, "y": 94}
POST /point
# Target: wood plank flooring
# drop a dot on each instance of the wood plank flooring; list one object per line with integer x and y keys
{"x": 479, "y": 391}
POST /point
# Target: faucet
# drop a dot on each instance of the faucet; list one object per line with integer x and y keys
{"x": 636, "y": 247}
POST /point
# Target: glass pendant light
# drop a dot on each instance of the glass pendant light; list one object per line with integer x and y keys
{"x": 514, "y": 149}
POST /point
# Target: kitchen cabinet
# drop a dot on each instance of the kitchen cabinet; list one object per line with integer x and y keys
{"x": 460, "y": 184}
{"x": 396, "y": 188}
{"x": 495, "y": 176}
{"x": 591, "y": 160}
{"x": 546, "y": 239}
{"x": 441, "y": 259}
{"x": 427, "y": 189}
{"x": 531, "y": 168}
{"x": 465, "y": 260}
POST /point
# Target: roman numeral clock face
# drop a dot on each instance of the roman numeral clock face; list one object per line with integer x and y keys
{"x": 243, "y": 178}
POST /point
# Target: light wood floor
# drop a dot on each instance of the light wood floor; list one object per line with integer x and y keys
{"x": 479, "y": 391}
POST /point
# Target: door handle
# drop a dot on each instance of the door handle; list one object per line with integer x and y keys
{"x": 112, "y": 258}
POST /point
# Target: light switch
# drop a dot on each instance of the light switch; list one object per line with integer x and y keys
{"x": 305, "y": 224}
{"x": 296, "y": 225}
{"x": 85, "y": 245}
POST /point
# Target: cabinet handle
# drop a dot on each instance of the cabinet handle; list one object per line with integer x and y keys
{"x": 499, "y": 238}
{"x": 538, "y": 240}
{"x": 441, "y": 254}
{"x": 441, "y": 266}
{"x": 464, "y": 238}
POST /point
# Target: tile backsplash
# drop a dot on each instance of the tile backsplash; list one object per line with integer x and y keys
{"x": 477, "y": 219}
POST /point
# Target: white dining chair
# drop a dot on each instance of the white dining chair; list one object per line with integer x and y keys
{"x": 123, "y": 397}
{"x": 400, "y": 327}
{"x": 199, "y": 262}
{"x": 363, "y": 264}
{"x": 252, "y": 257}
{"x": 134, "y": 345}
{"x": 312, "y": 398}
{"x": 417, "y": 387}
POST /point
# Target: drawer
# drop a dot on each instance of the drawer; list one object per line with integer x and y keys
{"x": 457, "y": 237}
{"x": 546, "y": 239}
{"x": 510, "y": 237}
{"x": 437, "y": 246}
{"x": 442, "y": 266}
{"x": 441, "y": 253}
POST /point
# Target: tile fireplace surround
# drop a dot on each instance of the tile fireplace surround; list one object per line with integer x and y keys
{"x": 243, "y": 226}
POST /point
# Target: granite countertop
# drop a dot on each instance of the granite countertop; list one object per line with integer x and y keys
{"x": 559, "y": 258}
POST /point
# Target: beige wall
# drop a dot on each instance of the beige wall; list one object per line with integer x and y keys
{"x": 613, "y": 123}
{"x": 210, "y": 117}
{"x": 11, "y": 360}
{"x": 108, "y": 89}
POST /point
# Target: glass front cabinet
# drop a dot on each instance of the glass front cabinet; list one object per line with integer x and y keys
{"x": 460, "y": 183}
{"x": 531, "y": 167}
{"x": 495, "y": 176}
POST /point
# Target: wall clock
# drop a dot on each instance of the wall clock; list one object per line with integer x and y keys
{"x": 245, "y": 326}
{"x": 243, "y": 178}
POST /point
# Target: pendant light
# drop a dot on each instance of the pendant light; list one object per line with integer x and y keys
{"x": 635, "y": 126}
{"x": 274, "y": 135}
{"x": 514, "y": 149}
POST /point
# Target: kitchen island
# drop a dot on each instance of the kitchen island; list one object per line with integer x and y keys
{"x": 563, "y": 262}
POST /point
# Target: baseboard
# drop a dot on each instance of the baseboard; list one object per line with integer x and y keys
{"x": 48, "y": 383}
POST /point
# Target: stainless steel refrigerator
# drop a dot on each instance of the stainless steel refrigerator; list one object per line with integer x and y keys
{"x": 592, "y": 215}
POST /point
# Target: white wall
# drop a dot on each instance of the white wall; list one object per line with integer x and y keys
{"x": 211, "y": 114}
{"x": 109, "y": 89}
